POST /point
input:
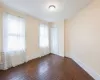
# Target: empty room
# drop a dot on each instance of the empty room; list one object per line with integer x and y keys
{"x": 49, "y": 39}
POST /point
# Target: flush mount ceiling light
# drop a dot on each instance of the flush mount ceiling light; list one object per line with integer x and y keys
{"x": 52, "y": 7}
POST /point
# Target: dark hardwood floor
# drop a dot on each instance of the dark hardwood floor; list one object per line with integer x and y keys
{"x": 50, "y": 67}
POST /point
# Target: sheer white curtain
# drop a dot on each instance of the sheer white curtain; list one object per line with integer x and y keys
{"x": 13, "y": 40}
{"x": 44, "y": 38}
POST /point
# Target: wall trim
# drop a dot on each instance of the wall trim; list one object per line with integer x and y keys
{"x": 89, "y": 70}
{"x": 32, "y": 56}
{"x": 58, "y": 55}
{"x": 37, "y": 55}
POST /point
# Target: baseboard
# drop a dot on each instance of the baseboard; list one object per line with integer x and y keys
{"x": 58, "y": 55}
{"x": 31, "y": 57}
{"x": 90, "y": 71}
{"x": 35, "y": 56}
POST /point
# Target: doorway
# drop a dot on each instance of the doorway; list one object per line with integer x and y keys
{"x": 54, "y": 40}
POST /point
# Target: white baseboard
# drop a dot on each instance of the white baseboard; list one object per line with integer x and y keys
{"x": 86, "y": 68}
{"x": 59, "y": 55}
{"x": 33, "y": 56}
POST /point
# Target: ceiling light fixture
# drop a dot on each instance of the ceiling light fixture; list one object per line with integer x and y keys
{"x": 52, "y": 7}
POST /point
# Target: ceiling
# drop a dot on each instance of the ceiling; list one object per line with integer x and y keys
{"x": 65, "y": 9}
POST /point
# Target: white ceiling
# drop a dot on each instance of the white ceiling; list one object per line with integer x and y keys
{"x": 65, "y": 9}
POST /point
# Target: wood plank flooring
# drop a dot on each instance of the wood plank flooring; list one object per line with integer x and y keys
{"x": 50, "y": 67}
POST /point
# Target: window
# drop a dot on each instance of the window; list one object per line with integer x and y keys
{"x": 14, "y": 33}
{"x": 44, "y": 35}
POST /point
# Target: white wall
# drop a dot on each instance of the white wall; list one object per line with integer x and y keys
{"x": 84, "y": 36}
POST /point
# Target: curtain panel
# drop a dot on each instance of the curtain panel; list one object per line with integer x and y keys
{"x": 14, "y": 52}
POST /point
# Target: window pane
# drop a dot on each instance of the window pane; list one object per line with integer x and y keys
{"x": 22, "y": 27}
{"x": 13, "y": 43}
{"x": 16, "y": 43}
{"x": 13, "y": 25}
{"x": 22, "y": 43}
{"x": 41, "y": 30}
{"x": 44, "y": 41}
